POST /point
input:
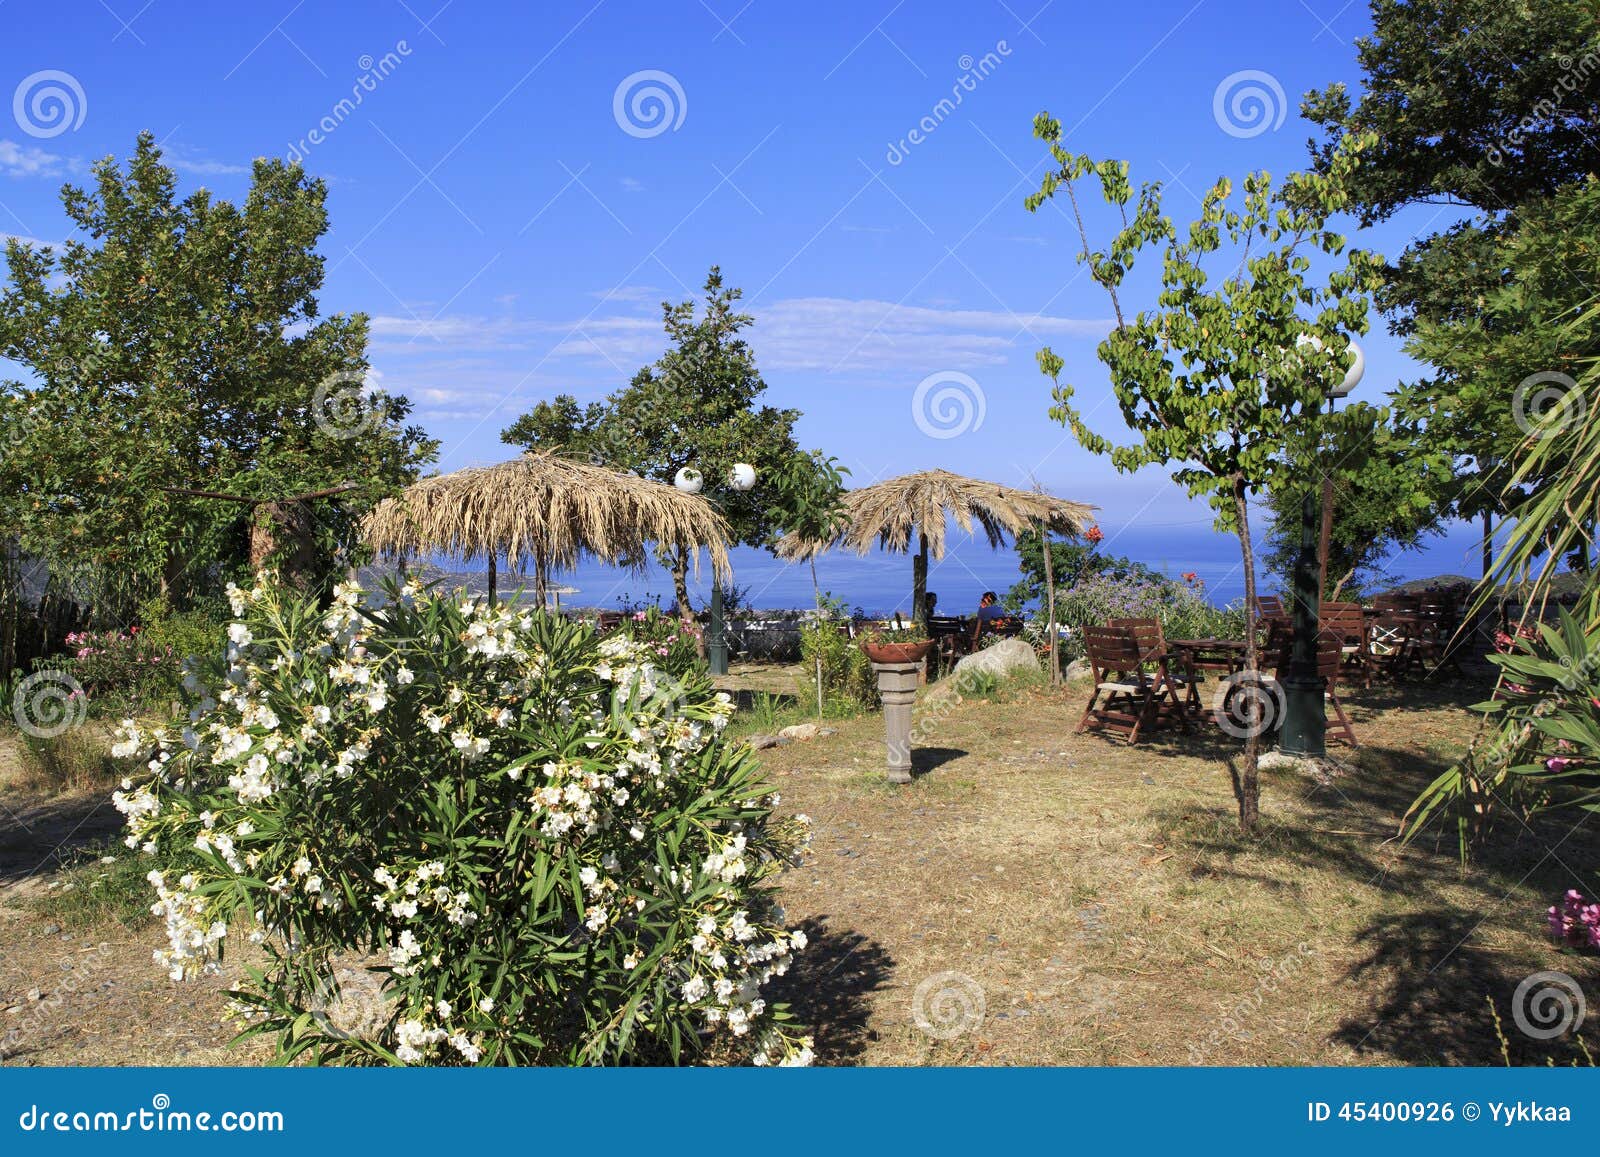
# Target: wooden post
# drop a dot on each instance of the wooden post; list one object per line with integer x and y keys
{"x": 1050, "y": 594}
{"x": 491, "y": 577}
{"x": 919, "y": 582}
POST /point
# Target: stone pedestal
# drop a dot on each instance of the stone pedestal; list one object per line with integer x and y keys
{"x": 897, "y": 685}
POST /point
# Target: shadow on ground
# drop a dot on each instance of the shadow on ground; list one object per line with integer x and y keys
{"x": 1433, "y": 975}
{"x": 829, "y": 988}
{"x": 42, "y": 835}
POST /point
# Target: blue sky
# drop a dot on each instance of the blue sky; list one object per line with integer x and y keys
{"x": 512, "y": 224}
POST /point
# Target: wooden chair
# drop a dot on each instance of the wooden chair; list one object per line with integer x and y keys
{"x": 1330, "y": 664}
{"x": 952, "y": 639}
{"x": 1175, "y": 672}
{"x": 1131, "y": 697}
{"x": 1347, "y": 622}
{"x": 1269, "y": 607}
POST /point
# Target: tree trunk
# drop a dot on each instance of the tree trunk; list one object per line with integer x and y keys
{"x": 1488, "y": 544}
{"x": 680, "y": 582}
{"x": 491, "y": 578}
{"x": 816, "y": 587}
{"x": 1248, "y": 784}
{"x": 1050, "y": 597}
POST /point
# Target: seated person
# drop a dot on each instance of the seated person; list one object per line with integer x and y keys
{"x": 929, "y": 601}
{"x": 991, "y": 615}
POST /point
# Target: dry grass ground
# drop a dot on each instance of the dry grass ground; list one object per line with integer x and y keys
{"x": 1095, "y": 901}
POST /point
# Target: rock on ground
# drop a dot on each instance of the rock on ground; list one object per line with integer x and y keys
{"x": 1001, "y": 659}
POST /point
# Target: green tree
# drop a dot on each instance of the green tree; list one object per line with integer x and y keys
{"x": 560, "y": 425}
{"x": 1211, "y": 381}
{"x": 1489, "y": 107}
{"x": 179, "y": 346}
{"x": 1388, "y": 494}
{"x": 810, "y": 504}
{"x": 696, "y": 407}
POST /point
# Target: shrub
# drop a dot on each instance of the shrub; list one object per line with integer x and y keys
{"x": 1181, "y": 607}
{"x": 846, "y": 670}
{"x": 118, "y": 671}
{"x": 675, "y": 645}
{"x": 541, "y": 836}
{"x": 71, "y": 760}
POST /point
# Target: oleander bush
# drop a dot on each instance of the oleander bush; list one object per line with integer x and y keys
{"x": 465, "y": 833}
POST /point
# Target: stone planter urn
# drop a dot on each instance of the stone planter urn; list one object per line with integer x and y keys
{"x": 897, "y": 686}
{"x": 891, "y": 653}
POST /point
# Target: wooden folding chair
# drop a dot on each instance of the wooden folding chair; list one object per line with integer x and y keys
{"x": 1131, "y": 696}
{"x": 1347, "y": 622}
{"x": 1330, "y": 662}
{"x": 1174, "y": 671}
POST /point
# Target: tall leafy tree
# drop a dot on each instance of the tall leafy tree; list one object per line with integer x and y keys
{"x": 178, "y": 345}
{"x": 697, "y": 407}
{"x": 1211, "y": 381}
{"x": 1487, "y": 107}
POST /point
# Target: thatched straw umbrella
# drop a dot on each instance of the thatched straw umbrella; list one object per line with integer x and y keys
{"x": 548, "y": 511}
{"x": 888, "y": 514}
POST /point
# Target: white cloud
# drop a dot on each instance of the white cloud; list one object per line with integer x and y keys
{"x": 631, "y": 185}
{"x": 853, "y": 338}
{"x": 205, "y": 168}
{"x": 31, "y": 161}
{"x": 26, "y": 240}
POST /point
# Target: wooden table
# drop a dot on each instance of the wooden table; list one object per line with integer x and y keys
{"x": 1224, "y": 656}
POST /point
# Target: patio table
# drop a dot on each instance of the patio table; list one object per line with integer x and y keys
{"x": 1224, "y": 656}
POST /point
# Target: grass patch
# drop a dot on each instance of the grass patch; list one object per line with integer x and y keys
{"x": 100, "y": 886}
{"x": 77, "y": 760}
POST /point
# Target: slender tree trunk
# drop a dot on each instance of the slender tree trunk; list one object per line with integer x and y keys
{"x": 680, "y": 582}
{"x": 1050, "y": 597}
{"x": 491, "y": 578}
{"x": 816, "y": 587}
{"x": 1248, "y": 785}
{"x": 1488, "y": 544}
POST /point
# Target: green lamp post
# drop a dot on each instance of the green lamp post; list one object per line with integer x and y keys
{"x": 741, "y": 477}
{"x": 1305, "y": 720}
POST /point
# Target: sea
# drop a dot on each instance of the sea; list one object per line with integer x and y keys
{"x": 879, "y": 583}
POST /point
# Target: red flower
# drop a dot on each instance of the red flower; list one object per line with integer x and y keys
{"x": 1093, "y": 534}
{"x": 1190, "y": 576}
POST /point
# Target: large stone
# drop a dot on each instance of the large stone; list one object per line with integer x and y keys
{"x": 1000, "y": 659}
{"x": 800, "y": 731}
{"x": 1075, "y": 670}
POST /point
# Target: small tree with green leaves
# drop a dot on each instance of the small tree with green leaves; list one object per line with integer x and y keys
{"x": 697, "y": 406}
{"x": 1389, "y": 493}
{"x": 1212, "y": 381}
{"x": 809, "y": 493}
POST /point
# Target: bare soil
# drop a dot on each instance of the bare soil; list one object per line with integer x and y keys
{"x": 1058, "y": 899}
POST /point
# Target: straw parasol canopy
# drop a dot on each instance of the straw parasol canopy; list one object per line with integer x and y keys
{"x": 547, "y": 511}
{"x": 891, "y": 513}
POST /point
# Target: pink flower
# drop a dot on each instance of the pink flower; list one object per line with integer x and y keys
{"x": 1556, "y": 763}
